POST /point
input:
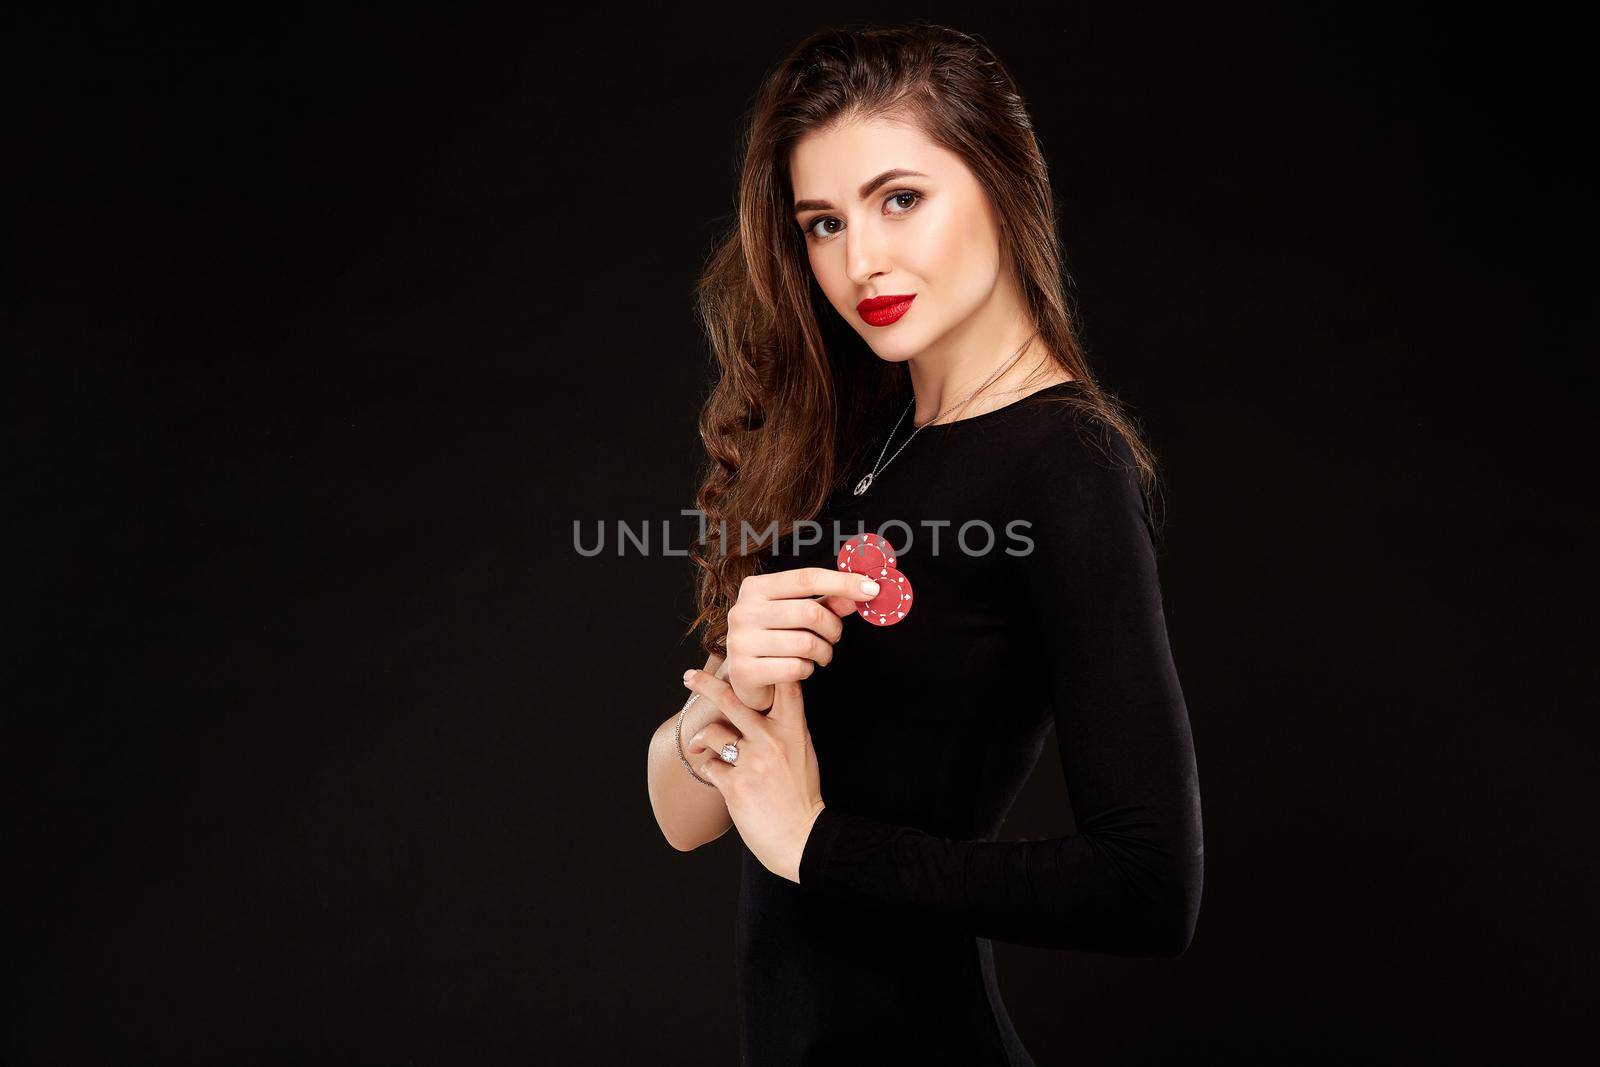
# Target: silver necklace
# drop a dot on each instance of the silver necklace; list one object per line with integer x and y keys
{"x": 865, "y": 483}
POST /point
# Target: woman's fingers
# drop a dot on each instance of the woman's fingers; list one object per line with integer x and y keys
{"x": 757, "y": 697}
{"x": 766, "y": 644}
{"x": 842, "y": 606}
{"x": 752, "y": 678}
{"x": 710, "y": 737}
{"x": 784, "y": 625}
{"x": 769, "y": 670}
{"x": 813, "y": 581}
{"x": 720, "y": 693}
{"x": 816, "y": 616}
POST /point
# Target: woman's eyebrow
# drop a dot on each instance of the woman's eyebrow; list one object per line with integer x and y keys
{"x": 866, "y": 189}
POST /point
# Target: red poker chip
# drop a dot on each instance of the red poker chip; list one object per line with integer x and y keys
{"x": 893, "y": 602}
{"x": 867, "y": 554}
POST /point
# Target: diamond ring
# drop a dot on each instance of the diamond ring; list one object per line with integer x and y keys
{"x": 730, "y": 753}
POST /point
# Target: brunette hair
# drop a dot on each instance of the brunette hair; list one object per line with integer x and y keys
{"x": 792, "y": 406}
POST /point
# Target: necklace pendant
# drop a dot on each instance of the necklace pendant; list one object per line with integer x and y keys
{"x": 861, "y": 486}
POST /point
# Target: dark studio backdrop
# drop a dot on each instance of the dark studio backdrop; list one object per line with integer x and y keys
{"x": 323, "y": 744}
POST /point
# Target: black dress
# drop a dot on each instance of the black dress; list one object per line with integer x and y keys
{"x": 926, "y": 730}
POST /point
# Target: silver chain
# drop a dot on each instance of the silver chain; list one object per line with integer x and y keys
{"x": 865, "y": 483}
{"x": 685, "y": 759}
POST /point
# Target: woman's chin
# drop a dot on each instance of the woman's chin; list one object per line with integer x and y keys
{"x": 895, "y": 350}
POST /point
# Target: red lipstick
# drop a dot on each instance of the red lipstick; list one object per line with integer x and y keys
{"x": 883, "y": 310}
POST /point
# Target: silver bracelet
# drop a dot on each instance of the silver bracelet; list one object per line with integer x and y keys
{"x": 685, "y": 759}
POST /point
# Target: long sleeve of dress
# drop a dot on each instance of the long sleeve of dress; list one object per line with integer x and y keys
{"x": 1128, "y": 882}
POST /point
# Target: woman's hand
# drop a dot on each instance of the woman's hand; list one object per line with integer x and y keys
{"x": 774, "y": 789}
{"x": 776, "y": 633}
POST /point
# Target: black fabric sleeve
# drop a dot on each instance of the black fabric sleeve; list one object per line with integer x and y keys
{"x": 1129, "y": 881}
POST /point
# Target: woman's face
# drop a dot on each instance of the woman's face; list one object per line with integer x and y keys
{"x": 932, "y": 235}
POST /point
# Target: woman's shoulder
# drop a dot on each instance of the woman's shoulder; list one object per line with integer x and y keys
{"x": 1067, "y": 432}
{"x": 1076, "y": 467}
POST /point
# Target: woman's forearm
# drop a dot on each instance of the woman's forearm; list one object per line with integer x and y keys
{"x": 689, "y": 813}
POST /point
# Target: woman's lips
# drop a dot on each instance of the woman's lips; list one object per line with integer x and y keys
{"x": 882, "y": 310}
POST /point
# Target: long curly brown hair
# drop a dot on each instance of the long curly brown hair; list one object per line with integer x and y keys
{"x": 799, "y": 391}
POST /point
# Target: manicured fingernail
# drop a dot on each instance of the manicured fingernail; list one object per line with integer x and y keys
{"x": 688, "y": 674}
{"x": 869, "y": 587}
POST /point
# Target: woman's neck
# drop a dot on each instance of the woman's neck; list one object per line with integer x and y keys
{"x": 948, "y": 377}
{"x": 999, "y": 341}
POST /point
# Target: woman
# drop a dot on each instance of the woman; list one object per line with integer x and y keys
{"x": 892, "y": 184}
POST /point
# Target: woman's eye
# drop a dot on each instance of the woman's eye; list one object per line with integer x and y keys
{"x": 915, "y": 197}
{"x": 906, "y": 198}
{"x": 812, "y": 230}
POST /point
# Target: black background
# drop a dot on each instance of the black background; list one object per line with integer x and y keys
{"x": 322, "y": 743}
